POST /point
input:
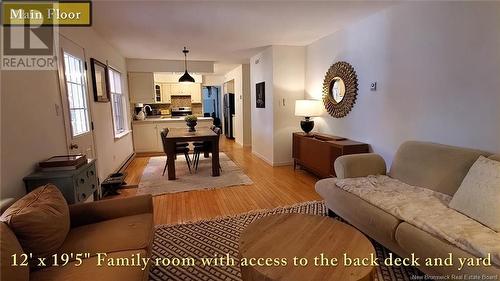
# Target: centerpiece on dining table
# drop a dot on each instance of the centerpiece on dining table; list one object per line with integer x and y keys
{"x": 191, "y": 122}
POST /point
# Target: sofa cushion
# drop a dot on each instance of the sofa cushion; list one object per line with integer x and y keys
{"x": 425, "y": 245}
{"x": 495, "y": 157}
{"x": 9, "y": 246}
{"x": 89, "y": 271}
{"x": 479, "y": 194}
{"x": 40, "y": 220}
{"x": 435, "y": 166}
{"x": 368, "y": 218}
{"x": 121, "y": 234}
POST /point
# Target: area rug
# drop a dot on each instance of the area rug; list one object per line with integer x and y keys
{"x": 220, "y": 236}
{"x": 153, "y": 182}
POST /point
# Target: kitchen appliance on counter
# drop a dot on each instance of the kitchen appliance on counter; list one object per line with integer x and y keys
{"x": 181, "y": 111}
{"x": 139, "y": 111}
{"x": 228, "y": 109}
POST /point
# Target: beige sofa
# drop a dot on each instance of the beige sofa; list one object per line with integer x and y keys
{"x": 434, "y": 166}
{"x": 118, "y": 227}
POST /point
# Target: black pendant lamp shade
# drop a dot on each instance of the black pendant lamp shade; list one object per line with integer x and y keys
{"x": 186, "y": 78}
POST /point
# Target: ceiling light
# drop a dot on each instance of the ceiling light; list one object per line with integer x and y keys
{"x": 186, "y": 78}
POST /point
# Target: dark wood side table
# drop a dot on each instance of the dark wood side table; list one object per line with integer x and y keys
{"x": 75, "y": 185}
{"x": 316, "y": 153}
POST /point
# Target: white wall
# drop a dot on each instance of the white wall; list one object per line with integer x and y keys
{"x": 242, "y": 126}
{"x": 261, "y": 70}
{"x": 288, "y": 82}
{"x": 32, "y": 129}
{"x": 282, "y": 68}
{"x": 437, "y": 67}
{"x": 158, "y": 65}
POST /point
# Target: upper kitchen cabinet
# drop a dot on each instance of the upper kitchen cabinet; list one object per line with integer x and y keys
{"x": 195, "y": 92}
{"x": 141, "y": 87}
{"x": 166, "y": 92}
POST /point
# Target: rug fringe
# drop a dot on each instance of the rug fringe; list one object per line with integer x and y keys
{"x": 236, "y": 216}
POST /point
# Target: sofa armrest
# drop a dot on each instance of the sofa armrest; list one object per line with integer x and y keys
{"x": 359, "y": 165}
{"x": 93, "y": 212}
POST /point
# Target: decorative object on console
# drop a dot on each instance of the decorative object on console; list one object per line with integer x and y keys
{"x": 340, "y": 89}
{"x": 191, "y": 122}
{"x": 186, "y": 78}
{"x": 317, "y": 152}
{"x": 63, "y": 162}
{"x": 100, "y": 79}
{"x": 308, "y": 109}
{"x": 260, "y": 95}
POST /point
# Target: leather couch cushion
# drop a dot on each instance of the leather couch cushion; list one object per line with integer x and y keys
{"x": 368, "y": 218}
{"x": 89, "y": 271}
{"x": 40, "y": 220}
{"x": 435, "y": 166}
{"x": 121, "y": 234}
{"x": 495, "y": 157}
{"x": 424, "y": 245}
{"x": 9, "y": 246}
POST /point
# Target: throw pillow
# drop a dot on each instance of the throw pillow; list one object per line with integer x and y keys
{"x": 40, "y": 220}
{"x": 479, "y": 194}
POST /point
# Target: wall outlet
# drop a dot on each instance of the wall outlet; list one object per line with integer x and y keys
{"x": 373, "y": 86}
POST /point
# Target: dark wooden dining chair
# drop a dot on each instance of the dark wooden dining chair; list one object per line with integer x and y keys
{"x": 178, "y": 150}
{"x": 204, "y": 147}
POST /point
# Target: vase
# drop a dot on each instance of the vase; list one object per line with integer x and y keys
{"x": 191, "y": 125}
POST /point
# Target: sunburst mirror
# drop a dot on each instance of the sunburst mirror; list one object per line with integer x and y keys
{"x": 340, "y": 89}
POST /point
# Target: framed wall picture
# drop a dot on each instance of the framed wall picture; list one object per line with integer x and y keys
{"x": 260, "y": 90}
{"x": 100, "y": 80}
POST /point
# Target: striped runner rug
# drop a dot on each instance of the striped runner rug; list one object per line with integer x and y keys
{"x": 220, "y": 237}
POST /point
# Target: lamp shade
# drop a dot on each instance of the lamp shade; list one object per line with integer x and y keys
{"x": 308, "y": 108}
{"x": 186, "y": 78}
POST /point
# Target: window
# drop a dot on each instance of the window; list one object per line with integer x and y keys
{"x": 117, "y": 103}
{"x": 77, "y": 96}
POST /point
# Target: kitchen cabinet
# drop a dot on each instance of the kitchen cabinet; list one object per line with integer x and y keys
{"x": 166, "y": 93}
{"x": 141, "y": 87}
{"x": 195, "y": 92}
{"x": 146, "y": 137}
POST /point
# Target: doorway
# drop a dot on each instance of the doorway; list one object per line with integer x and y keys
{"x": 211, "y": 101}
{"x": 75, "y": 99}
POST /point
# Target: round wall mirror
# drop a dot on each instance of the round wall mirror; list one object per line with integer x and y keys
{"x": 337, "y": 89}
{"x": 340, "y": 89}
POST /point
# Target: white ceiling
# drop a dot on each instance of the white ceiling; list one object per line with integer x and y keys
{"x": 227, "y": 32}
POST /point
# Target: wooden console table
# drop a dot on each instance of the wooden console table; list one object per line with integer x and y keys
{"x": 316, "y": 153}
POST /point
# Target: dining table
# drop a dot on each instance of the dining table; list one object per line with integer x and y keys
{"x": 176, "y": 135}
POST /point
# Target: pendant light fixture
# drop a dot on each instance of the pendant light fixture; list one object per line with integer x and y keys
{"x": 186, "y": 78}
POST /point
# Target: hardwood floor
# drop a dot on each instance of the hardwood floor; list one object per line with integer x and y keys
{"x": 273, "y": 187}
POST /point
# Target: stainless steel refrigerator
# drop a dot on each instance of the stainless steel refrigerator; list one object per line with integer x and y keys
{"x": 228, "y": 104}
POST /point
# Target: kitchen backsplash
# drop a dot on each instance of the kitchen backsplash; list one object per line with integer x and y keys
{"x": 179, "y": 101}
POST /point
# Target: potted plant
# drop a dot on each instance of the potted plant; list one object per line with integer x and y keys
{"x": 191, "y": 122}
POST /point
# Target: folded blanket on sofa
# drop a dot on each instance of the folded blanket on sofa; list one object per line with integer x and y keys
{"x": 427, "y": 210}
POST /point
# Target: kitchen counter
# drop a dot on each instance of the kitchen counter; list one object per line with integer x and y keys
{"x": 168, "y": 119}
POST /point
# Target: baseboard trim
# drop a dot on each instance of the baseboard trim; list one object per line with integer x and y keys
{"x": 126, "y": 162}
{"x": 261, "y": 157}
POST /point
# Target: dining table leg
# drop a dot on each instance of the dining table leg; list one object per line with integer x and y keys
{"x": 171, "y": 160}
{"x": 215, "y": 157}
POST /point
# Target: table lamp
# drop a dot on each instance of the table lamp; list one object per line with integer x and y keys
{"x": 308, "y": 109}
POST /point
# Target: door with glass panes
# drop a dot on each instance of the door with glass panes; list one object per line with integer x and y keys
{"x": 75, "y": 99}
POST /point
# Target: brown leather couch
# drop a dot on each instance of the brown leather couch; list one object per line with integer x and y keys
{"x": 119, "y": 227}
